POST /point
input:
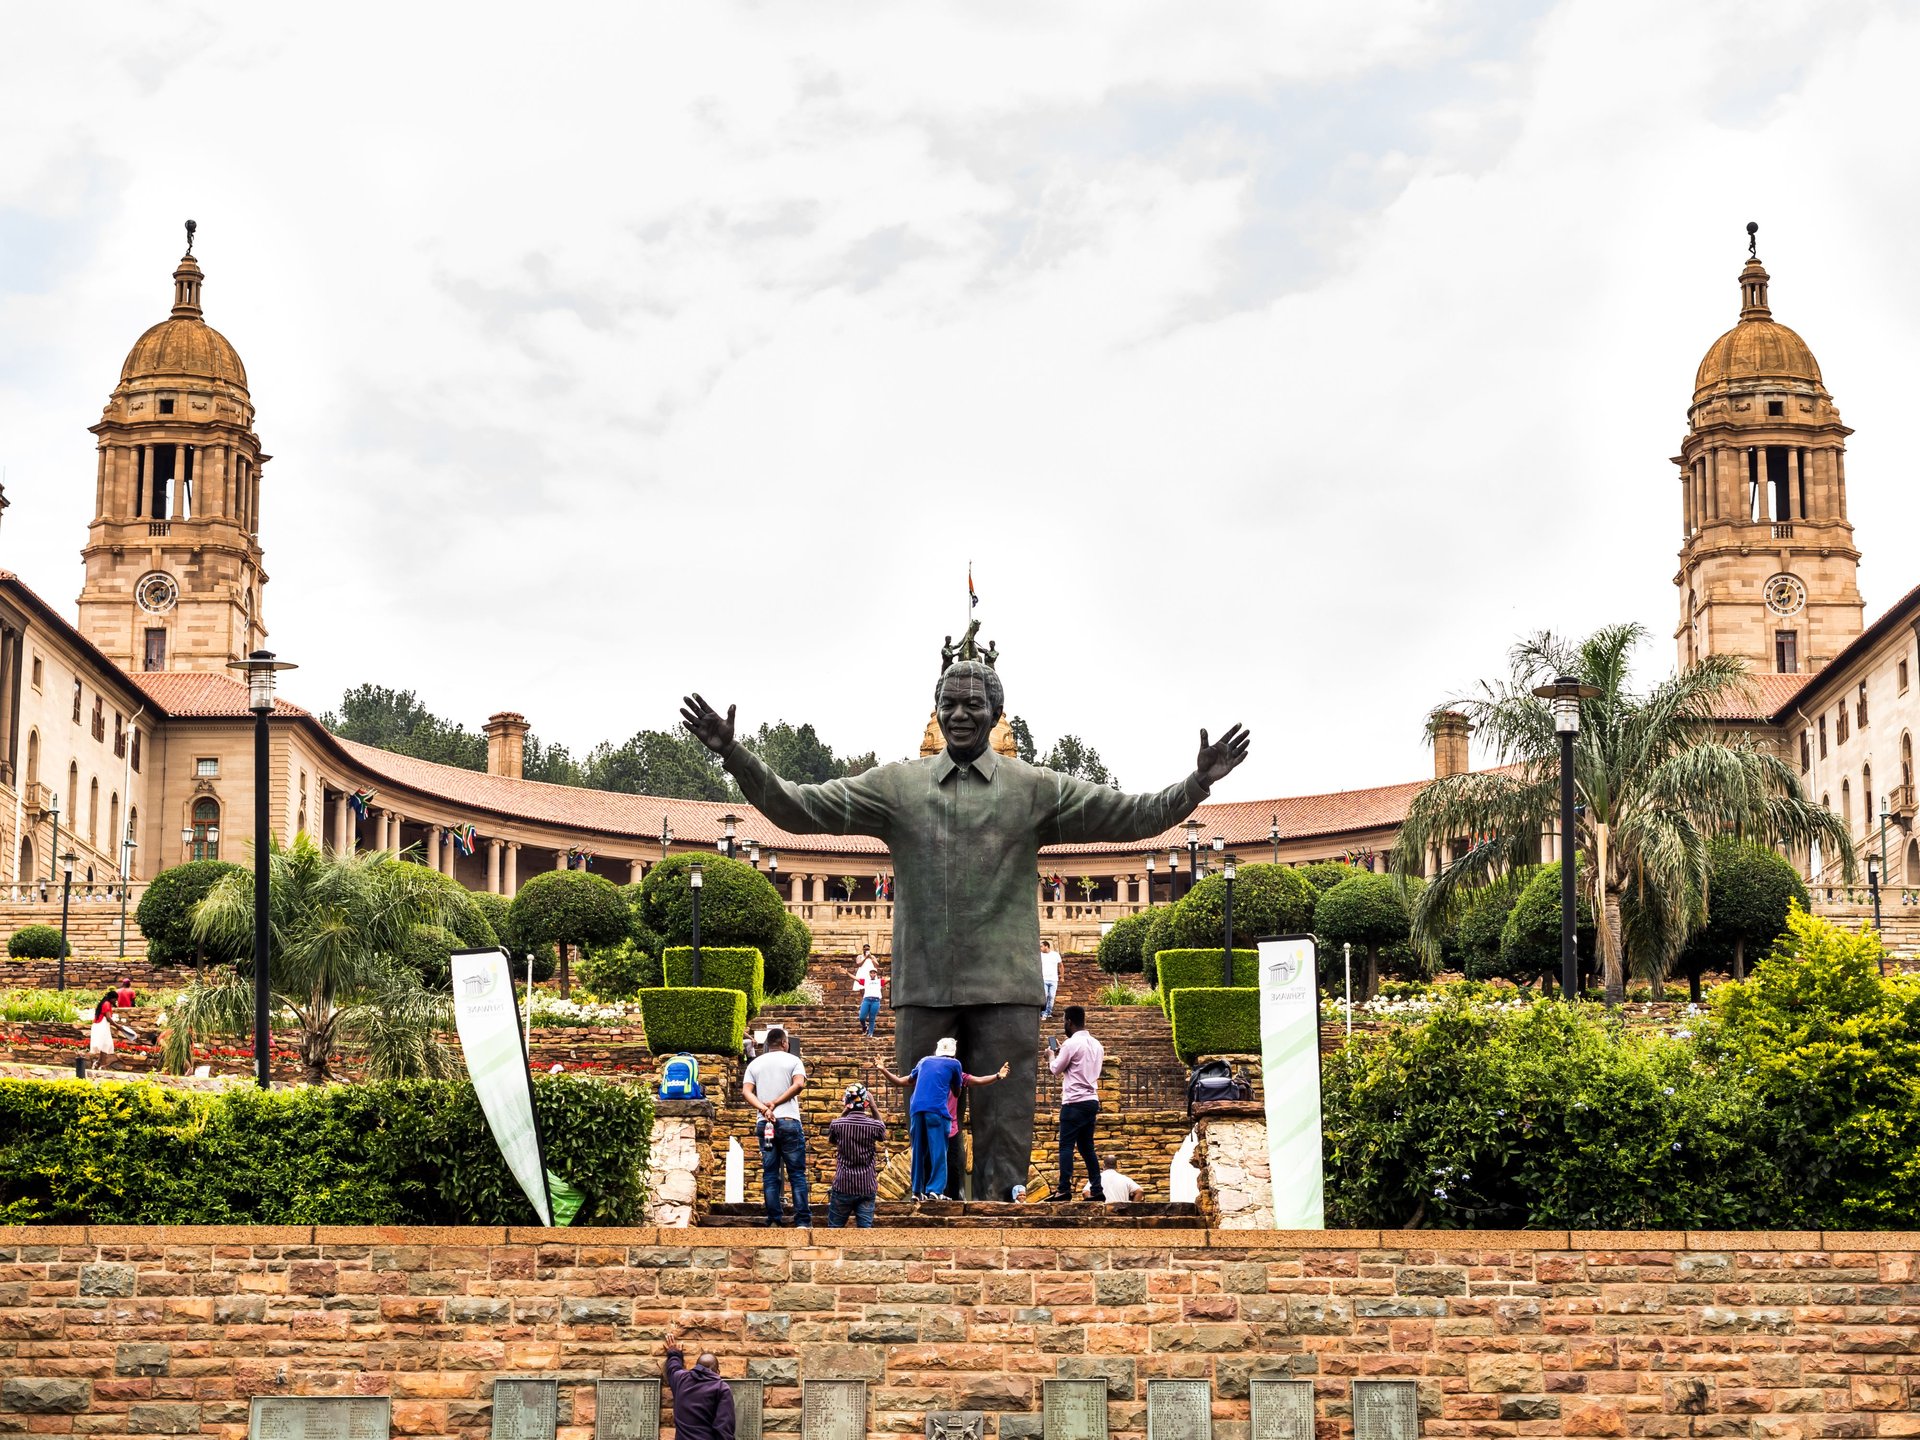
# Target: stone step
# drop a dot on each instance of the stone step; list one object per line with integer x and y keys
{"x": 980, "y": 1215}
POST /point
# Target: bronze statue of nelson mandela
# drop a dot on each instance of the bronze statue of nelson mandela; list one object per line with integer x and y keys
{"x": 965, "y": 828}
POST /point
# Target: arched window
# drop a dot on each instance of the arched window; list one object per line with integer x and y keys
{"x": 1906, "y": 758}
{"x": 133, "y": 834}
{"x": 206, "y": 829}
{"x": 73, "y": 793}
{"x": 26, "y": 859}
{"x": 1866, "y": 792}
{"x": 113, "y": 830}
{"x": 33, "y": 757}
{"x": 1846, "y": 805}
{"x": 93, "y": 811}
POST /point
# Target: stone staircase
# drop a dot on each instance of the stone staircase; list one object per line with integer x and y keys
{"x": 1899, "y": 921}
{"x": 93, "y": 926}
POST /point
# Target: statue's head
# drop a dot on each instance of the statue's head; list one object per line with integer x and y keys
{"x": 968, "y": 700}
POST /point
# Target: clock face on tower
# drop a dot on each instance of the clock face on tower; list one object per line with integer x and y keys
{"x": 156, "y": 592}
{"x": 1786, "y": 595}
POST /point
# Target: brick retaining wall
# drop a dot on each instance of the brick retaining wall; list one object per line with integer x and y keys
{"x": 120, "y": 1330}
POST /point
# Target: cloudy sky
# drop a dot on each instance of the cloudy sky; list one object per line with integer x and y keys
{"x": 1273, "y": 362}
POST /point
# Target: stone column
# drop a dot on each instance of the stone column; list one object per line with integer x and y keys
{"x": 179, "y": 495}
{"x": 559, "y": 859}
{"x": 433, "y": 847}
{"x": 795, "y": 891}
{"x": 493, "y": 866}
{"x": 1794, "y": 508}
{"x": 1760, "y": 485}
{"x": 342, "y": 823}
{"x": 820, "y": 888}
{"x": 510, "y": 884}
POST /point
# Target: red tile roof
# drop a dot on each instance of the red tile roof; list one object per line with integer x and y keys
{"x": 202, "y": 695}
{"x": 1768, "y": 696}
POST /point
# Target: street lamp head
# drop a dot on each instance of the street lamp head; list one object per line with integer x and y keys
{"x": 213, "y": 834}
{"x": 1563, "y": 697}
{"x": 695, "y": 878}
{"x": 1227, "y": 869}
{"x": 1173, "y": 857}
{"x": 729, "y": 820}
{"x": 1149, "y": 864}
{"x": 186, "y": 835}
{"x": 1273, "y": 830}
{"x": 1219, "y": 842}
{"x": 260, "y": 668}
{"x": 753, "y": 853}
{"x": 1193, "y": 832}
{"x": 773, "y": 862}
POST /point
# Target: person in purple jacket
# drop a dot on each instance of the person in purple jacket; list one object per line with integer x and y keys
{"x": 702, "y": 1401}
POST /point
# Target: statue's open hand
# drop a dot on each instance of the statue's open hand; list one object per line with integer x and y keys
{"x": 1218, "y": 760}
{"x": 716, "y": 731}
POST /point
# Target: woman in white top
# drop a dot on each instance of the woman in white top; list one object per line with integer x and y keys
{"x": 869, "y": 982}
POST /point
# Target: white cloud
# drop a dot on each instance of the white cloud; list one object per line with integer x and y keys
{"x": 1272, "y": 363}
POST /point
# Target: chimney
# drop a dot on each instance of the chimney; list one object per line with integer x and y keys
{"x": 506, "y": 735}
{"x": 1449, "y": 744}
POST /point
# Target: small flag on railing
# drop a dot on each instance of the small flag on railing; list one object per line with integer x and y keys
{"x": 359, "y": 800}
{"x": 465, "y": 839}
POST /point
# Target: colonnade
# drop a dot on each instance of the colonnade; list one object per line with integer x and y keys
{"x": 1720, "y": 485}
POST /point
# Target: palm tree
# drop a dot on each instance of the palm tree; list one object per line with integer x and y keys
{"x": 337, "y": 924}
{"x": 1657, "y": 778}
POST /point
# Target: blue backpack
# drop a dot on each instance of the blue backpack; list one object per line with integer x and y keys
{"x": 680, "y": 1079}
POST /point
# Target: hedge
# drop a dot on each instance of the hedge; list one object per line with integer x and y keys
{"x": 499, "y": 912}
{"x": 165, "y": 912}
{"x": 704, "y": 1021}
{"x": 1122, "y": 949}
{"x": 787, "y": 956}
{"x": 1209, "y": 1020}
{"x": 721, "y": 968}
{"x": 1267, "y": 900}
{"x": 1190, "y": 969}
{"x": 738, "y": 904}
{"x": 401, "y": 1152}
{"x": 36, "y": 942}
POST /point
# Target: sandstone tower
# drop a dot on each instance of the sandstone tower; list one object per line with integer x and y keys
{"x": 173, "y": 577}
{"x": 1767, "y": 565}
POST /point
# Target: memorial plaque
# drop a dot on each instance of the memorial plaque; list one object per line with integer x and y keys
{"x": 1282, "y": 1409}
{"x": 1386, "y": 1410}
{"x": 626, "y": 1410}
{"x": 1179, "y": 1410}
{"x": 749, "y": 1407}
{"x": 1073, "y": 1410}
{"x": 833, "y": 1410}
{"x": 525, "y": 1409}
{"x": 956, "y": 1425}
{"x": 319, "y": 1417}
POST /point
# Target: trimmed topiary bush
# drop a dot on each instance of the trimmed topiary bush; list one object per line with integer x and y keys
{"x": 1200, "y": 969}
{"x": 569, "y": 907}
{"x": 721, "y": 968}
{"x": 499, "y": 912}
{"x": 1215, "y": 1021}
{"x": 703, "y": 1021}
{"x": 787, "y": 960}
{"x": 165, "y": 913}
{"x": 1159, "y": 937}
{"x": 1530, "y": 940}
{"x": 619, "y": 972}
{"x": 36, "y": 942}
{"x": 1267, "y": 900}
{"x": 1750, "y": 892}
{"x": 1323, "y": 875}
{"x": 1475, "y": 942}
{"x": 1364, "y": 910}
{"x": 1122, "y": 948}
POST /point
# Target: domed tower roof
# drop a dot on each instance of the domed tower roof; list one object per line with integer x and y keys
{"x": 184, "y": 345}
{"x": 1759, "y": 350}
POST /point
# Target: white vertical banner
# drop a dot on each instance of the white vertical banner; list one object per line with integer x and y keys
{"x": 488, "y": 1020}
{"x": 1290, "y": 1079}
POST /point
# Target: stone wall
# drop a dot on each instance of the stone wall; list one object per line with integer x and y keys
{"x": 109, "y": 1330}
{"x": 1236, "y": 1174}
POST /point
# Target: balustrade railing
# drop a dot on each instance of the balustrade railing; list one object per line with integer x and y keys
{"x": 853, "y": 911}
{"x": 48, "y": 892}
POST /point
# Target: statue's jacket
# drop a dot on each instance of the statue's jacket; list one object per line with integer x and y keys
{"x": 965, "y": 842}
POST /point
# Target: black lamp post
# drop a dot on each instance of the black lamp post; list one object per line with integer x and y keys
{"x": 695, "y": 879}
{"x": 1273, "y": 834}
{"x": 1564, "y": 696}
{"x": 666, "y": 836}
{"x": 1226, "y": 963}
{"x": 66, "y": 898}
{"x": 773, "y": 870}
{"x": 1193, "y": 854}
{"x": 1173, "y": 873}
{"x": 1149, "y": 878}
{"x": 260, "y": 669}
{"x": 127, "y": 847}
{"x": 729, "y": 820}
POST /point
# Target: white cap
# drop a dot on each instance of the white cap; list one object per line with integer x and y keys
{"x": 946, "y": 1045}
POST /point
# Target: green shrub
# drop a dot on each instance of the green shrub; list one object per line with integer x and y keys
{"x": 1833, "y": 1051}
{"x": 1530, "y": 939}
{"x": 408, "y": 1152}
{"x": 1121, "y": 951}
{"x": 50, "y": 1007}
{"x": 786, "y": 961}
{"x": 1267, "y": 900}
{"x": 429, "y": 952}
{"x": 569, "y": 907}
{"x": 467, "y": 921}
{"x": 1120, "y": 994}
{"x": 619, "y": 972}
{"x": 1159, "y": 937}
{"x": 703, "y": 1021}
{"x": 1551, "y": 1115}
{"x": 499, "y": 912}
{"x": 37, "y": 942}
{"x": 1200, "y": 969}
{"x": 1323, "y": 875}
{"x": 165, "y": 913}
{"x": 1363, "y": 910}
{"x": 1475, "y": 942}
{"x": 738, "y": 904}
{"x": 1214, "y": 1021}
{"x": 721, "y": 968}
{"x": 1750, "y": 889}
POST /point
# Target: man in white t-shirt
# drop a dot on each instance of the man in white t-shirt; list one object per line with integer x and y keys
{"x": 1049, "y": 976}
{"x": 772, "y": 1086}
{"x": 869, "y": 983}
{"x": 1115, "y": 1188}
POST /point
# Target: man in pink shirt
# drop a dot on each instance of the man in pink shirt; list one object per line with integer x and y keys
{"x": 1077, "y": 1063}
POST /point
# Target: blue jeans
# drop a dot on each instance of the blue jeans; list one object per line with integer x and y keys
{"x": 1076, "y": 1133}
{"x": 929, "y": 1135}
{"x": 869, "y": 1013}
{"x": 841, "y": 1207}
{"x": 1052, "y": 988}
{"x": 787, "y": 1150}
